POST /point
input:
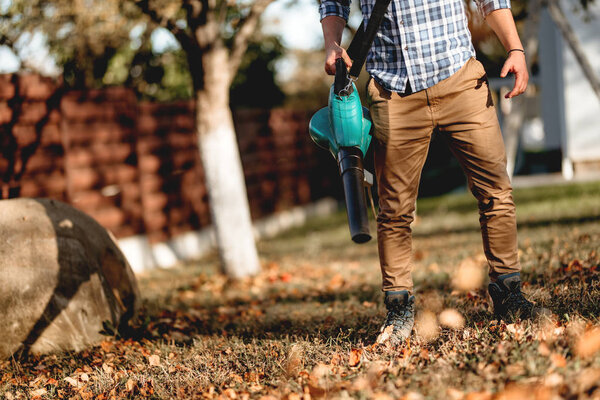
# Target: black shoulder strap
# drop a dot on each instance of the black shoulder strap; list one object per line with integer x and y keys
{"x": 363, "y": 39}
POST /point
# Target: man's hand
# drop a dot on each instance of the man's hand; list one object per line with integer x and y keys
{"x": 332, "y": 33}
{"x": 502, "y": 23}
{"x": 516, "y": 64}
{"x": 332, "y": 53}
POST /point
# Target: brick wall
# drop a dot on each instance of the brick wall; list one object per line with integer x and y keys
{"x": 135, "y": 167}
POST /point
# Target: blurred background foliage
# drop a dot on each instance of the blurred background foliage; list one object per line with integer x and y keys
{"x": 109, "y": 42}
{"x": 96, "y": 43}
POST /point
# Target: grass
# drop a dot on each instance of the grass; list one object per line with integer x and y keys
{"x": 305, "y": 326}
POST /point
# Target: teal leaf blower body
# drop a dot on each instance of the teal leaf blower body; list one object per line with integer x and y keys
{"x": 344, "y": 128}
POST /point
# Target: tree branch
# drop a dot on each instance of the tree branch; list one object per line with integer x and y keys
{"x": 570, "y": 37}
{"x": 247, "y": 26}
{"x": 180, "y": 34}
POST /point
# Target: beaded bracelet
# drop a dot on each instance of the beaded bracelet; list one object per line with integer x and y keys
{"x": 511, "y": 50}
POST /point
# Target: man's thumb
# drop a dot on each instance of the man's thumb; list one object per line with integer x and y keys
{"x": 505, "y": 70}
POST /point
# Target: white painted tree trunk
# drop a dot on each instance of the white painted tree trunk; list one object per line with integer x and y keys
{"x": 223, "y": 169}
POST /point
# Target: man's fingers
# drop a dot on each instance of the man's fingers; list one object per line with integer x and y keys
{"x": 333, "y": 56}
{"x": 505, "y": 69}
{"x": 347, "y": 59}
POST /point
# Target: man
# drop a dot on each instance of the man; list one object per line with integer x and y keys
{"x": 423, "y": 76}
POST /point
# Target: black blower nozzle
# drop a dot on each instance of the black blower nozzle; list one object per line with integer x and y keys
{"x": 350, "y": 161}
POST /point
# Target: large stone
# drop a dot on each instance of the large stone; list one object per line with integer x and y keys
{"x": 61, "y": 276}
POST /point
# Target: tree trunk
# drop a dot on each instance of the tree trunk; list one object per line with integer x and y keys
{"x": 223, "y": 168}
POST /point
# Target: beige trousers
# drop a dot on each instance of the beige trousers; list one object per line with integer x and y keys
{"x": 461, "y": 108}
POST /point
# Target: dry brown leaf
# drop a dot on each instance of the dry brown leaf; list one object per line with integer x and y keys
{"x": 451, "y": 318}
{"x": 107, "y": 368}
{"x": 412, "y": 396}
{"x": 470, "y": 275}
{"x": 294, "y": 361}
{"x": 553, "y": 380}
{"x": 479, "y": 396}
{"x": 454, "y": 394}
{"x": 355, "y": 356}
{"x": 230, "y": 393}
{"x": 589, "y": 343}
{"x": 154, "y": 360}
{"x": 38, "y": 392}
{"x": 336, "y": 282}
{"x": 106, "y": 346}
{"x": 130, "y": 385}
{"x": 558, "y": 360}
{"x": 375, "y": 372}
{"x": 525, "y": 392}
{"x": 514, "y": 370}
{"x": 427, "y": 326}
{"x": 73, "y": 382}
{"x": 543, "y": 349}
{"x": 588, "y": 379}
{"x": 381, "y": 396}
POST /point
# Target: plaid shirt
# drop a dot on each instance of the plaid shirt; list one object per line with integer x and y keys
{"x": 419, "y": 41}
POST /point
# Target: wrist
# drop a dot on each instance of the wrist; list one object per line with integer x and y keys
{"x": 515, "y": 50}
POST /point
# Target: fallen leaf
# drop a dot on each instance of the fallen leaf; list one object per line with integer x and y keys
{"x": 73, "y": 382}
{"x": 543, "y": 349}
{"x": 107, "y": 368}
{"x": 106, "y": 346}
{"x": 558, "y": 360}
{"x": 589, "y": 343}
{"x": 336, "y": 282}
{"x": 553, "y": 380}
{"x": 154, "y": 360}
{"x": 413, "y": 396}
{"x": 381, "y": 396}
{"x": 294, "y": 361}
{"x": 375, "y": 372}
{"x": 427, "y": 326}
{"x": 588, "y": 379}
{"x": 354, "y": 359}
{"x": 479, "y": 396}
{"x": 38, "y": 392}
{"x": 451, "y": 318}
{"x": 514, "y": 370}
{"x": 470, "y": 275}
{"x": 454, "y": 394}
{"x": 130, "y": 385}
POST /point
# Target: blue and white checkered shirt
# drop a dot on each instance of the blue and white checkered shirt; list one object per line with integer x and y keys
{"x": 419, "y": 41}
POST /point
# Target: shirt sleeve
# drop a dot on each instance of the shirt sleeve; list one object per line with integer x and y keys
{"x": 487, "y": 6}
{"x": 339, "y": 8}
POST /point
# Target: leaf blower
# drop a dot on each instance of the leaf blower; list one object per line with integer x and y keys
{"x": 344, "y": 126}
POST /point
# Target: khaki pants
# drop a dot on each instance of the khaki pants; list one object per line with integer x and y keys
{"x": 461, "y": 108}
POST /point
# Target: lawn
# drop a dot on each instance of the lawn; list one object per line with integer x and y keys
{"x": 306, "y": 326}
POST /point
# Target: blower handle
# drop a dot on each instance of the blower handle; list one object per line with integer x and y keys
{"x": 341, "y": 82}
{"x": 351, "y": 169}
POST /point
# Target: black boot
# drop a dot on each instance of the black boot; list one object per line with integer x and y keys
{"x": 509, "y": 302}
{"x": 400, "y": 315}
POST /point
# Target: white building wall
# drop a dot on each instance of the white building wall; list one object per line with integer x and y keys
{"x": 582, "y": 106}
